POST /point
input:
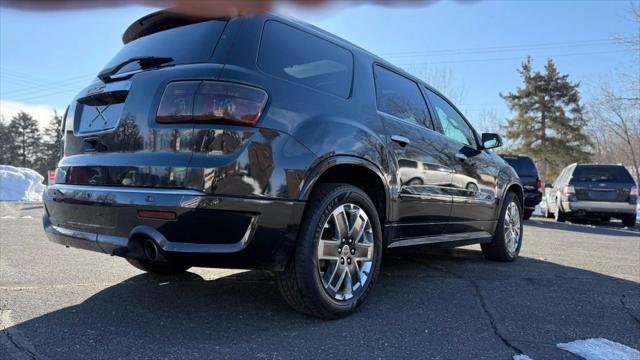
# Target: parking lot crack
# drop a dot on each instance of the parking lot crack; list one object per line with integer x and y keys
{"x": 11, "y": 341}
{"x": 627, "y": 310}
{"x": 483, "y": 305}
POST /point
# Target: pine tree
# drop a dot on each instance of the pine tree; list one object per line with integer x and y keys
{"x": 53, "y": 146}
{"x": 549, "y": 124}
{"x": 27, "y": 139}
{"x": 7, "y": 150}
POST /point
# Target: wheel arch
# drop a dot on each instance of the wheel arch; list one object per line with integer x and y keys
{"x": 352, "y": 170}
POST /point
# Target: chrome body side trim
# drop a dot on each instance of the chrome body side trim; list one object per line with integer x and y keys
{"x": 441, "y": 239}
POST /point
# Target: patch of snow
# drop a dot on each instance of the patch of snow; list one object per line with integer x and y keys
{"x": 521, "y": 357}
{"x": 600, "y": 349}
{"x": 8, "y": 217}
{"x": 638, "y": 211}
{"x": 538, "y": 210}
{"x": 20, "y": 184}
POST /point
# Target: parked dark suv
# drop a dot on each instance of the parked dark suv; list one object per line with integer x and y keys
{"x": 593, "y": 190}
{"x": 263, "y": 143}
{"x": 531, "y": 182}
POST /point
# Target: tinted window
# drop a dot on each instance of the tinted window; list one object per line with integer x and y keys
{"x": 186, "y": 44}
{"x": 297, "y": 56}
{"x": 398, "y": 96}
{"x": 601, "y": 173}
{"x": 522, "y": 165}
{"x": 404, "y": 163}
{"x": 453, "y": 125}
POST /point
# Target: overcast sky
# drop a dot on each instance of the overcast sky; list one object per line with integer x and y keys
{"x": 47, "y": 57}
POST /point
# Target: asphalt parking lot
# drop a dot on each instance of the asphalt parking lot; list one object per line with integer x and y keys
{"x": 573, "y": 281}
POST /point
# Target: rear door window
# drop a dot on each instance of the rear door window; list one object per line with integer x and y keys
{"x": 601, "y": 173}
{"x": 398, "y": 96}
{"x": 306, "y": 59}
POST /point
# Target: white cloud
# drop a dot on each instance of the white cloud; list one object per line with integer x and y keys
{"x": 41, "y": 112}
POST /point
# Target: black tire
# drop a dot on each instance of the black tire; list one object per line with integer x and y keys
{"x": 559, "y": 215}
{"x": 629, "y": 220}
{"x": 158, "y": 268}
{"x": 497, "y": 249}
{"x": 300, "y": 283}
{"x": 527, "y": 215}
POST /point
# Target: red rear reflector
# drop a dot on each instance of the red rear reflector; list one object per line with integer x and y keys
{"x": 162, "y": 215}
{"x": 539, "y": 184}
{"x": 211, "y": 102}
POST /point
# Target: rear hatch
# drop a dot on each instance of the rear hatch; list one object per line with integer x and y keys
{"x": 526, "y": 170}
{"x": 111, "y": 133}
{"x": 611, "y": 183}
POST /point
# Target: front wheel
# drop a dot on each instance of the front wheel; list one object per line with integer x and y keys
{"x": 507, "y": 239}
{"x": 337, "y": 257}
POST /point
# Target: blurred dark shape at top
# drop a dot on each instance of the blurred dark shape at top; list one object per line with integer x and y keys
{"x": 202, "y": 8}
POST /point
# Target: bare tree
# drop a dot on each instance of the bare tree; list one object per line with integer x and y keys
{"x": 442, "y": 79}
{"x": 615, "y": 129}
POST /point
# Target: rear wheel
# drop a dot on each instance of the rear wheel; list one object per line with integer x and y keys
{"x": 629, "y": 220}
{"x": 507, "y": 239}
{"x": 337, "y": 257}
{"x": 158, "y": 268}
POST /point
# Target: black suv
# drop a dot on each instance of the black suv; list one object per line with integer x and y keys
{"x": 531, "y": 182}
{"x": 263, "y": 143}
{"x": 593, "y": 190}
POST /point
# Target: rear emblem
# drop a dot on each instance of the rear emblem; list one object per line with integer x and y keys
{"x": 96, "y": 89}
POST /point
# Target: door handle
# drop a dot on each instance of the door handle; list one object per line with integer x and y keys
{"x": 461, "y": 156}
{"x": 403, "y": 141}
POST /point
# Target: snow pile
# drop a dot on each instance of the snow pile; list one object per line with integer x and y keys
{"x": 600, "y": 349}
{"x": 20, "y": 184}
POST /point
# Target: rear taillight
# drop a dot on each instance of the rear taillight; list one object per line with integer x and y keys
{"x": 539, "y": 184}
{"x": 633, "y": 191}
{"x": 569, "y": 190}
{"x": 211, "y": 102}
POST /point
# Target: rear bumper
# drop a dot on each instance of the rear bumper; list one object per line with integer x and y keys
{"x": 531, "y": 199}
{"x": 599, "y": 207}
{"x": 210, "y": 231}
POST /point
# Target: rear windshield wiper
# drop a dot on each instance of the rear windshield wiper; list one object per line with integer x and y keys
{"x": 144, "y": 62}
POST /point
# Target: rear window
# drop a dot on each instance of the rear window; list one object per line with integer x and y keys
{"x": 522, "y": 165}
{"x": 398, "y": 96}
{"x": 185, "y": 44}
{"x": 601, "y": 173}
{"x": 300, "y": 57}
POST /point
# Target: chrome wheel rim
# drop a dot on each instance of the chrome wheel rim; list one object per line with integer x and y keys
{"x": 512, "y": 227}
{"x": 345, "y": 252}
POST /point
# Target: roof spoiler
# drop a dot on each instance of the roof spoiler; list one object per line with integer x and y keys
{"x": 158, "y": 21}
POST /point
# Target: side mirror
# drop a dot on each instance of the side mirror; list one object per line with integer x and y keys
{"x": 491, "y": 141}
{"x": 548, "y": 186}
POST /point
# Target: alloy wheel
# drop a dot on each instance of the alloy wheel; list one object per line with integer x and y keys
{"x": 512, "y": 227}
{"x": 345, "y": 252}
